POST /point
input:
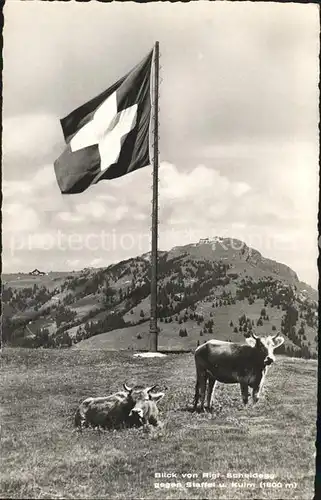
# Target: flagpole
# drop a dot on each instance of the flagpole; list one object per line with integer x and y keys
{"x": 153, "y": 333}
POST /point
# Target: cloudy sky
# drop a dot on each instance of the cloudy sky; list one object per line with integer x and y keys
{"x": 238, "y": 130}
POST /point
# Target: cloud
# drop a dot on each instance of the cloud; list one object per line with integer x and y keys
{"x": 199, "y": 182}
{"x": 70, "y": 217}
{"x": 140, "y": 216}
{"x": 73, "y": 264}
{"x": 195, "y": 203}
{"x": 92, "y": 209}
{"x": 107, "y": 197}
{"x": 19, "y": 218}
{"x": 198, "y": 196}
{"x": 28, "y": 203}
{"x": 241, "y": 143}
{"x": 29, "y": 139}
{"x": 98, "y": 210}
{"x": 12, "y": 188}
{"x": 240, "y": 188}
{"x": 43, "y": 177}
{"x": 11, "y": 261}
{"x": 96, "y": 262}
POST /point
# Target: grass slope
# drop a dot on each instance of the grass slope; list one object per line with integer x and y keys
{"x": 42, "y": 457}
{"x": 22, "y": 280}
{"x": 169, "y": 339}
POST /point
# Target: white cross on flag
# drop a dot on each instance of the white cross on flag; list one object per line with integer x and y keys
{"x": 108, "y": 136}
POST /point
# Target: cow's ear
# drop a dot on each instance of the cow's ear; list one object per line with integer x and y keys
{"x": 278, "y": 341}
{"x": 251, "y": 341}
{"x": 156, "y": 396}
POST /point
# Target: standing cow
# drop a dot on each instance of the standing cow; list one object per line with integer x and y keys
{"x": 232, "y": 363}
{"x": 134, "y": 407}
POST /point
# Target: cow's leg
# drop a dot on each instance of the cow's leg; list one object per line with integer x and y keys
{"x": 202, "y": 389}
{"x": 200, "y": 374}
{"x": 197, "y": 395}
{"x": 245, "y": 393}
{"x": 257, "y": 388}
{"x": 210, "y": 391}
{"x": 85, "y": 423}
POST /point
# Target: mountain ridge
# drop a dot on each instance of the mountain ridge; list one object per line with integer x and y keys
{"x": 204, "y": 287}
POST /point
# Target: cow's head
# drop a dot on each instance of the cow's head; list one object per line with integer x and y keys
{"x": 265, "y": 346}
{"x": 140, "y": 400}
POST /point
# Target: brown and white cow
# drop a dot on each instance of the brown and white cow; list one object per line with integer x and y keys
{"x": 135, "y": 406}
{"x": 232, "y": 363}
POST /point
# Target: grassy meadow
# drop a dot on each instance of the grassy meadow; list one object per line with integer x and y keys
{"x": 42, "y": 456}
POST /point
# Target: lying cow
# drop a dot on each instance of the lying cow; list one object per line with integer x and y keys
{"x": 81, "y": 415}
{"x": 134, "y": 407}
{"x": 232, "y": 363}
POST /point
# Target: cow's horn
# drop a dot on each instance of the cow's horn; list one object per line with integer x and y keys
{"x": 275, "y": 336}
{"x": 254, "y": 336}
{"x": 151, "y": 388}
{"x": 125, "y": 386}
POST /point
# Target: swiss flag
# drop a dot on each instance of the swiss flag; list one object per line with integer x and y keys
{"x": 108, "y": 136}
